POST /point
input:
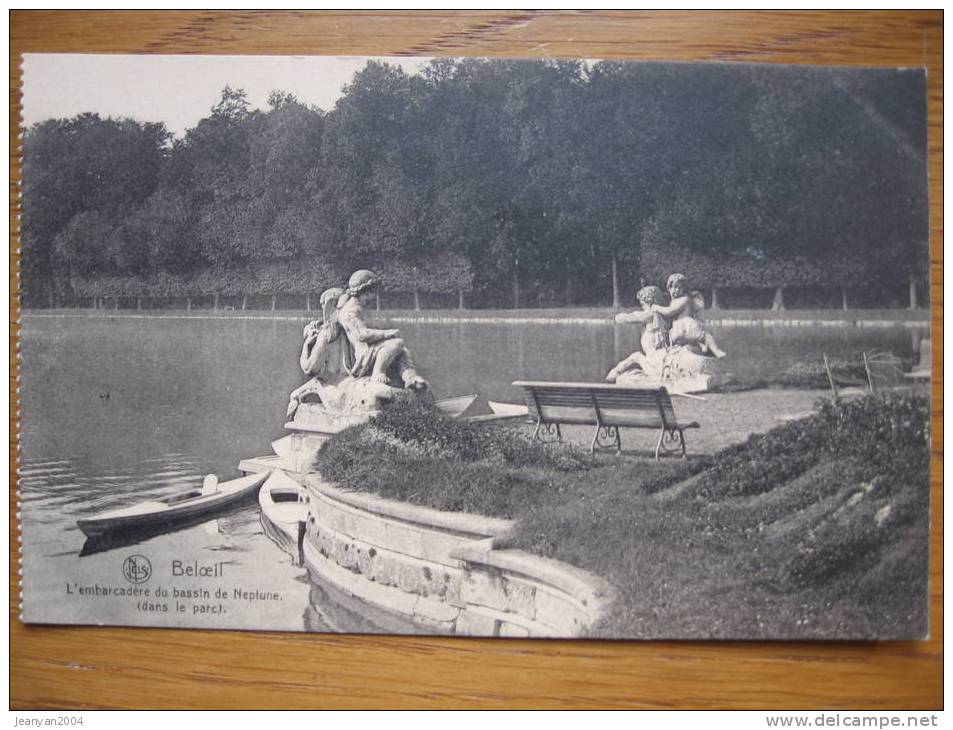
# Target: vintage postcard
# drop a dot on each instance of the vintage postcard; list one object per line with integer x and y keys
{"x": 487, "y": 347}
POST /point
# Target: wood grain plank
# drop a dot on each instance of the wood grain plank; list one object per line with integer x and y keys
{"x": 86, "y": 667}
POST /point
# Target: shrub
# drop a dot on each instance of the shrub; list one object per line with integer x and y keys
{"x": 763, "y": 461}
{"x": 887, "y": 435}
{"x": 417, "y": 426}
{"x": 415, "y": 453}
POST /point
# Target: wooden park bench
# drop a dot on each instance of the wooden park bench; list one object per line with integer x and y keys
{"x": 608, "y": 408}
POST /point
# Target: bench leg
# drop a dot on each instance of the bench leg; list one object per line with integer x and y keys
{"x": 550, "y": 429}
{"x": 670, "y": 440}
{"x": 604, "y": 438}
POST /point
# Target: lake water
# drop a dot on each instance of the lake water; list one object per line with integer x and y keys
{"x": 189, "y": 396}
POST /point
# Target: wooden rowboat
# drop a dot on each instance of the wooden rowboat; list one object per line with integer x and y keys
{"x": 509, "y": 410}
{"x": 147, "y": 516}
{"x": 500, "y": 412}
{"x": 284, "y": 512}
{"x": 455, "y": 406}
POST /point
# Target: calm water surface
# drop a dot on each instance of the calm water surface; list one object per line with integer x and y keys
{"x": 190, "y": 396}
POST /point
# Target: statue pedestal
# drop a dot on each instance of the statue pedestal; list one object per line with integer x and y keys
{"x": 350, "y": 402}
{"x": 316, "y": 418}
{"x": 313, "y": 424}
{"x": 686, "y": 384}
{"x": 680, "y": 370}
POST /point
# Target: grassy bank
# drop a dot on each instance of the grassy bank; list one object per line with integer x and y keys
{"x": 815, "y": 529}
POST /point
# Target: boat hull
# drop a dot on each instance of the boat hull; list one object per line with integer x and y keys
{"x": 284, "y": 512}
{"x": 457, "y": 405}
{"x": 166, "y": 515}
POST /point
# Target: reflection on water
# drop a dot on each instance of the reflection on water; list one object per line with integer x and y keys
{"x": 187, "y": 397}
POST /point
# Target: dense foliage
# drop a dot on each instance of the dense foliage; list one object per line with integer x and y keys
{"x": 886, "y": 435}
{"x": 413, "y": 452}
{"x": 522, "y": 176}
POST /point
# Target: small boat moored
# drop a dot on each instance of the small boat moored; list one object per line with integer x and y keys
{"x": 455, "y": 406}
{"x": 284, "y": 513}
{"x": 499, "y": 412}
{"x": 509, "y": 410}
{"x": 180, "y": 508}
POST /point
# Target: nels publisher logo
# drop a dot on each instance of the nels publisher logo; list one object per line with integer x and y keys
{"x": 136, "y": 569}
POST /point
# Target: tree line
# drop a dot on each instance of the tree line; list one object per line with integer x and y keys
{"x": 511, "y": 181}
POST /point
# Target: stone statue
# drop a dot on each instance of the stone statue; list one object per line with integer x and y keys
{"x": 353, "y": 369}
{"x": 323, "y": 353}
{"x": 378, "y": 354}
{"x": 676, "y": 349}
{"x": 654, "y": 336}
{"x": 686, "y": 329}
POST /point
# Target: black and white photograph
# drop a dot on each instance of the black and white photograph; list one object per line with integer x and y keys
{"x": 475, "y": 346}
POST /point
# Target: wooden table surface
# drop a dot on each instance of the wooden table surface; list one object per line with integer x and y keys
{"x": 158, "y": 668}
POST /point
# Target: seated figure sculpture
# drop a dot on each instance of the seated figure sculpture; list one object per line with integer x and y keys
{"x": 354, "y": 369}
{"x": 379, "y": 354}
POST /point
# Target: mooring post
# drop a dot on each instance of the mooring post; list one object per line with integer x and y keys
{"x": 307, "y": 302}
{"x": 778, "y": 304}
{"x": 244, "y": 301}
{"x": 616, "y": 298}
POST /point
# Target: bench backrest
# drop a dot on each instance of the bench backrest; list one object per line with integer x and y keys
{"x": 590, "y": 403}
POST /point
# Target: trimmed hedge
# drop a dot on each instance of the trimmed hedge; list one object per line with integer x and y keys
{"x": 443, "y": 273}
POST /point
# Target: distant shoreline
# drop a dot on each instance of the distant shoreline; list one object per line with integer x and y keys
{"x": 872, "y": 318}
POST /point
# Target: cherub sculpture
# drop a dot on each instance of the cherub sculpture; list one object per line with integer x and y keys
{"x": 685, "y": 328}
{"x": 654, "y": 338}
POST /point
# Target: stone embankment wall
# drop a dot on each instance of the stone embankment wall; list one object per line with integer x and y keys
{"x": 440, "y": 569}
